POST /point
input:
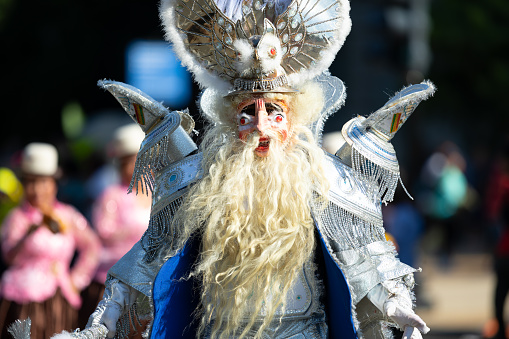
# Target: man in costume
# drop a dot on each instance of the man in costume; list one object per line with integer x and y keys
{"x": 260, "y": 233}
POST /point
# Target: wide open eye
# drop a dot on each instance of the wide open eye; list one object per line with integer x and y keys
{"x": 244, "y": 119}
{"x": 279, "y": 118}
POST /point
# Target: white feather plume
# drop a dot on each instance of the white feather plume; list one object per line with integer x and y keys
{"x": 63, "y": 335}
{"x": 245, "y": 53}
{"x": 267, "y": 62}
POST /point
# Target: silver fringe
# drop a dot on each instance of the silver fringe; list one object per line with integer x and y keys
{"x": 381, "y": 181}
{"x": 128, "y": 320}
{"x": 153, "y": 160}
{"x": 354, "y": 232}
{"x": 259, "y": 85}
{"x": 160, "y": 230}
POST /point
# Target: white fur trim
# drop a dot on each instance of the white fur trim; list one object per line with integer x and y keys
{"x": 206, "y": 78}
{"x": 246, "y": 55}
{"x": 63, "y": 335}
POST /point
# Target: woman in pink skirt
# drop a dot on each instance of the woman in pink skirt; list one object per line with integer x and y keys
{"x": 39, "y": 241}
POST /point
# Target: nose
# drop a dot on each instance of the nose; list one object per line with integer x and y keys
{"x": 262, "y": 122}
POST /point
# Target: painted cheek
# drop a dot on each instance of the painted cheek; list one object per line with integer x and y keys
{"x": 281, "y": 128}
{"x": 244, "y": 133}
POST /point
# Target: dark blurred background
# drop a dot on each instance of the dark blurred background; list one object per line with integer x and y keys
{"x": 53, "y": 53}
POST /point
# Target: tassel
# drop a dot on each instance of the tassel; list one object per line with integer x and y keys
{"x": 147, "y": 163}
{"x": 20, "y": 329}
{"x": 382, "y": 183}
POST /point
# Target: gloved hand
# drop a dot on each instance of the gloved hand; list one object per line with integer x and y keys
{"x": 393, "y": 299}
{"x": 406, "y": 319}
{"x": 117, "y": 300}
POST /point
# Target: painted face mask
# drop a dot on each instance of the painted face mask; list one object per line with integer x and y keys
{"x": 266, "y": 116}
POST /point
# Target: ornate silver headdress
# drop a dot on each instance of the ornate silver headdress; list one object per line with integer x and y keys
{"x": 255, "y": 45}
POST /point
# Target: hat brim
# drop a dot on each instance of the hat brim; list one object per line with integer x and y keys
{"x": 259, "y": 91}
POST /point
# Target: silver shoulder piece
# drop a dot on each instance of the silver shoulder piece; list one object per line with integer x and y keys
{"x": 349, "y": 193}
{"x": 172, "y": 183}
{"x": 368, "y": 149}
{"x": 167, "y": 137}
{"x": 352, "y": 227}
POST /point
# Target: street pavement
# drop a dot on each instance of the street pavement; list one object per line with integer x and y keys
{"x": 457, "y": 296}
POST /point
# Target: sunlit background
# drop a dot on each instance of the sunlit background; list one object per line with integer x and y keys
{"x": 54, "y": 51}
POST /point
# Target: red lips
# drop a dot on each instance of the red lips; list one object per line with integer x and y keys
{"x": 263, "y": 144}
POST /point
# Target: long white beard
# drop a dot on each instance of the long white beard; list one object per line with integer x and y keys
{"x": 257, "y": 229}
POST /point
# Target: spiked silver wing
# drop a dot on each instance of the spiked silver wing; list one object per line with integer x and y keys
{"x": 312, "y": 31}
{"x": 143, "y": 109}
{"x": 208, "y": 34}
{"x": 389, "y": 119}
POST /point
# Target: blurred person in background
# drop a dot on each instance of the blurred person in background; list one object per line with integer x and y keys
{"x": 119, "y": 218}
{"x": 39, "y": 240}
{"x": 497, "y": 213}
{"x": 11, "y": 193}
{"x": 443, "y": 196}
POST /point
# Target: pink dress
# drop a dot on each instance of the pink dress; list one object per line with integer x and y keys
{"x": 120, "y": 219}
{"x": 43, "y": 263}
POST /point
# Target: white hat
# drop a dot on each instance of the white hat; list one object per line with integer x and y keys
{"x": 127, "y": 140}
{"x": 39, "y": 159}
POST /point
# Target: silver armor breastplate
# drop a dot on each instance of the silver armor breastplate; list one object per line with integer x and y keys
{"x": 304, "y": 316}
{"x": 302, "y": 298}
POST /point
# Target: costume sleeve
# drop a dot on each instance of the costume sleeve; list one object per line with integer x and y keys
{"x": 14, "y": 228}
{"x": 140, "y": 265}
{"x": 352, "y": 227}
{"x": 88, "y": 247}
{"x": 363, "y": 174}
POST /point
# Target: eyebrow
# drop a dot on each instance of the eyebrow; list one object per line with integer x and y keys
{"x": 274, "y": 106}
{"x": 249, "y": 109}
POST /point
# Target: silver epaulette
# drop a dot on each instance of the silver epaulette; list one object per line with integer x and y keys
{"x": 171, "y": 183}
{"x": 167, "y": 137}
{"x": 367, "y": 148}
{"x": 349, "y": 193}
